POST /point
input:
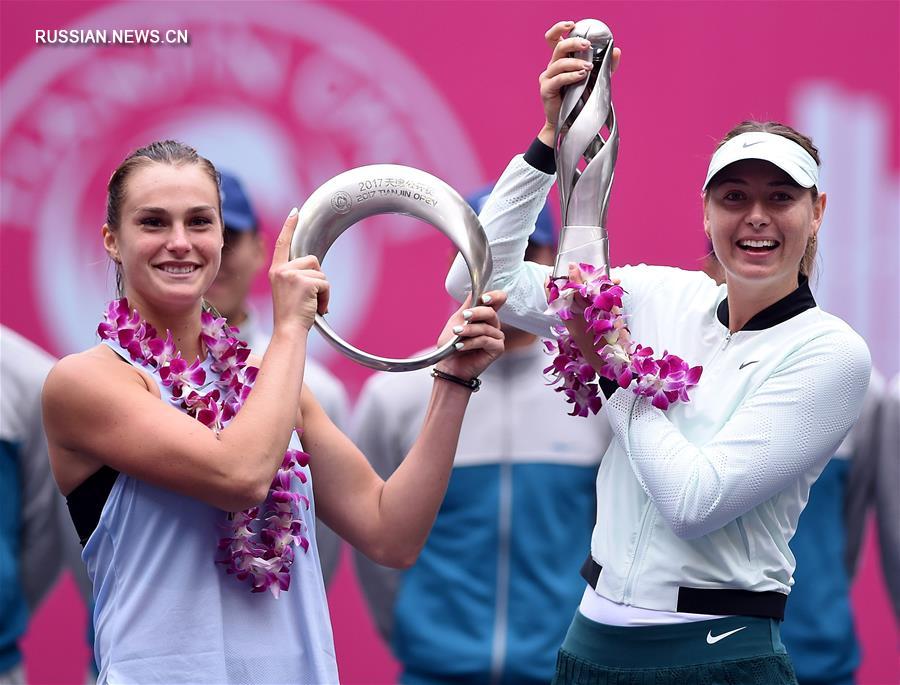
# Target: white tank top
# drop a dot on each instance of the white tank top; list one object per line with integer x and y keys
{"x": 165, "y": 612}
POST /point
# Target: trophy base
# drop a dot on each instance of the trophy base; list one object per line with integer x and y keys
{"x": 582, "y": 245}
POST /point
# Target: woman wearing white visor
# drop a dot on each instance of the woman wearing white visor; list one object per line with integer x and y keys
{"x": 689, "y": 568}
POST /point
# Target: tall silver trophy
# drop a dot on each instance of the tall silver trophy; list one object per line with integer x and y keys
{"x": 390, "y": 189}
{"x": 584, "y": 193}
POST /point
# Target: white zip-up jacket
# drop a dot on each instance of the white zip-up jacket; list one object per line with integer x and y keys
{"x": 707, "y": 494}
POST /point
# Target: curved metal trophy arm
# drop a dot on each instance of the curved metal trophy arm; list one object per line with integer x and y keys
{"x": 390, "y": 189}
{"x": 584, "y": 195}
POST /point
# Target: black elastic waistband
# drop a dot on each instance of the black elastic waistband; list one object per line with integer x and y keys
{"x": 712, "y": 601}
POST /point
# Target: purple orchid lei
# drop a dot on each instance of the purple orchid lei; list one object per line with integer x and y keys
{"x": 260, "y": 543}
{"x": 665, "y": 380}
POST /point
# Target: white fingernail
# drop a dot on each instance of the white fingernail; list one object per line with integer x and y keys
{"x": 467, "y": 314}
{"x": 487, "y": 299}
{"x": 294, "y": 212}
{"x": 458, "y": 346}
{"x": 457, "y": 329}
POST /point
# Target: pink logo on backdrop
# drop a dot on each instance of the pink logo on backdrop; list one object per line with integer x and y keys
{"x": 271, "y": 96}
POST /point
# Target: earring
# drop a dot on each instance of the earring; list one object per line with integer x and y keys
{"x": 120, "y": 283}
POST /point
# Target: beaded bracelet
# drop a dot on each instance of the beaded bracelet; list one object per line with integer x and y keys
{"x": 473, "y": 384}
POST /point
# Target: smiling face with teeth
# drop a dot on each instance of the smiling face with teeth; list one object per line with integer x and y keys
{"x": 760, "y": 221}
{"x": 169, "y": 241}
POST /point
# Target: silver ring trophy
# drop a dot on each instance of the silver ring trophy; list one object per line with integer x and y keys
{"x": 390, "y": 189}
{"x": 584, "y": 194}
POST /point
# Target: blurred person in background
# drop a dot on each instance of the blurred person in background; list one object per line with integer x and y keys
{"x": 887, "y": 486}
{"x": 818, "y": 628}
{"x": 492, "y": 594}
{"x": 36, "y": 538}
{"x": 243, "y": 256}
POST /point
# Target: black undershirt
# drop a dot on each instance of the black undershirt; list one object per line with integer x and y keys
{"x": 86, "y": 501}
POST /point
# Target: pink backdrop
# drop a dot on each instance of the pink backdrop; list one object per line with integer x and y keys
{"x": 290, "y": 94}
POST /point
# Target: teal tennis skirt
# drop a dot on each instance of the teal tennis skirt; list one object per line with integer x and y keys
{"x": 734, "y": 650}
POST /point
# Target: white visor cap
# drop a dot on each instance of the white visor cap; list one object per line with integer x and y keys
{"x": 778, "y": 150}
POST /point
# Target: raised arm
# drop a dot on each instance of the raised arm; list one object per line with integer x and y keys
{"x": 508, "y": 218}
{"x": 792, "y": 423}
{"x": 389, "y": 520}
{"x": 98, "y": 410}
{"x": 511, "y": 210}
{"x": 380, "y": 424}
